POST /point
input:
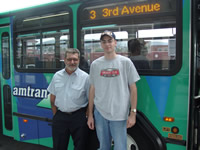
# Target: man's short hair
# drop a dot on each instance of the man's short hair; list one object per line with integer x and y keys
{"x": 72, "y": 51}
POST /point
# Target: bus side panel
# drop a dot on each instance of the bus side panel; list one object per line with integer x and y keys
{"x": 32, "y": 100}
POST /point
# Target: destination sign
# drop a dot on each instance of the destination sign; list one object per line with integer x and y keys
{"x": 124, "y": 10}
{"x": 114, "y": 10}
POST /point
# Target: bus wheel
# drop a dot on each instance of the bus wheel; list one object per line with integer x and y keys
{"x": 131, "y": 144}
{"x": 144, "y": 136}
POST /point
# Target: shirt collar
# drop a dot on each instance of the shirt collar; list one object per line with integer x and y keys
{"x": 76, "y": 72}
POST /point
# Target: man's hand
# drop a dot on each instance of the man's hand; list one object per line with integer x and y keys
{"x": 90, "y": 122}
{"x": 131, "y": 120}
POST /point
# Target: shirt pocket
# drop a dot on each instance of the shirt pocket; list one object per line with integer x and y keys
{"x": 59, "y": 87}
{"x": 79, "y": 94}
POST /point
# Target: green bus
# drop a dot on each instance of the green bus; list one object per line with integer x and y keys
{"x": 32, "y": 44}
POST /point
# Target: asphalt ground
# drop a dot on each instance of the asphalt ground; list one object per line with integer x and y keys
{"x": 7, "y": 143}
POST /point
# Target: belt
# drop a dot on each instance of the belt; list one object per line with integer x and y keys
{"x": 71, "y": 113}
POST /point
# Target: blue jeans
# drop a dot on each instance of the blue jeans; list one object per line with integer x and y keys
{"x": 108, "y": 130}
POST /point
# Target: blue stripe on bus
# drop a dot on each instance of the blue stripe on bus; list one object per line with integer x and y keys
{"x": 159, "y": 86}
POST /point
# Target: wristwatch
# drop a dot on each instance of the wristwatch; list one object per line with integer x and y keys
{"x": 133, "y": 110}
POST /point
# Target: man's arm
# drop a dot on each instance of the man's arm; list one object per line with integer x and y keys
{"x": 90, "y": 108}
{"x": 132, "y": 117}
{"x": 53, "y": 107}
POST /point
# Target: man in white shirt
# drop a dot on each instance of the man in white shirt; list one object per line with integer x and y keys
{"x": 69, "y": 90}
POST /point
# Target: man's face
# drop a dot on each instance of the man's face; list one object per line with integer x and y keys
{"x": 108, "y": 44}
{"x": 71, "y": 62}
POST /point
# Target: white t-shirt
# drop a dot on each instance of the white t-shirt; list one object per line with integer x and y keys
{"x": 111, "y": 79}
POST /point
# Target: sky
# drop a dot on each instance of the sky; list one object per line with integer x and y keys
{"x": 8, "y": 5}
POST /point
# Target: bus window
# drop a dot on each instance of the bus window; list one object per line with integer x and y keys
{"x": 40, "y": 51}
{"x": 5, "y": 55}
{"x": 42, "y": 46}
{"x": 154, "y": 30}
{"x": 7, "y": 107}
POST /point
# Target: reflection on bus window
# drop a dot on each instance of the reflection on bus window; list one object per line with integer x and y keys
{"x": 93, "y": 48}
{"x": 158, "y": 43}
{"x": 42, "y": 50}
{"x": 137, "y": 53}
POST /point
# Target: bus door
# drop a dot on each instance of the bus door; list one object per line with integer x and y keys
{"x": 197, "y": 100}
{"x": 194, "y": 122}
{"x": 196, "y": 83}
{"x": 6, "y": 101}
{"x": 195, "y": 96}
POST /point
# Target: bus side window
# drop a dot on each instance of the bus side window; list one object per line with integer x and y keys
{"x": 42, "y": 41}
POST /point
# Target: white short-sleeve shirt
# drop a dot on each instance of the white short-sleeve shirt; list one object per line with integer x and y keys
{"x": 71, "y": 91}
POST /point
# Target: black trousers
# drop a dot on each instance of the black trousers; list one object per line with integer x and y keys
{"x": 74, "y": 124}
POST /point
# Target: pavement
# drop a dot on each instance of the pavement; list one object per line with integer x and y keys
{"x": 7, "y": 143}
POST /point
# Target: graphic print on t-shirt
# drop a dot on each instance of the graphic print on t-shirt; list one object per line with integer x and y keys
{"x": 110, "y": 72}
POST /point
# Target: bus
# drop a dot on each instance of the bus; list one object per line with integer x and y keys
{"x": 33, "y": 41}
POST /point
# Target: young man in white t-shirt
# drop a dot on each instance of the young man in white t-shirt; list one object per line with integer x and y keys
{"x": 112, "y": 90}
